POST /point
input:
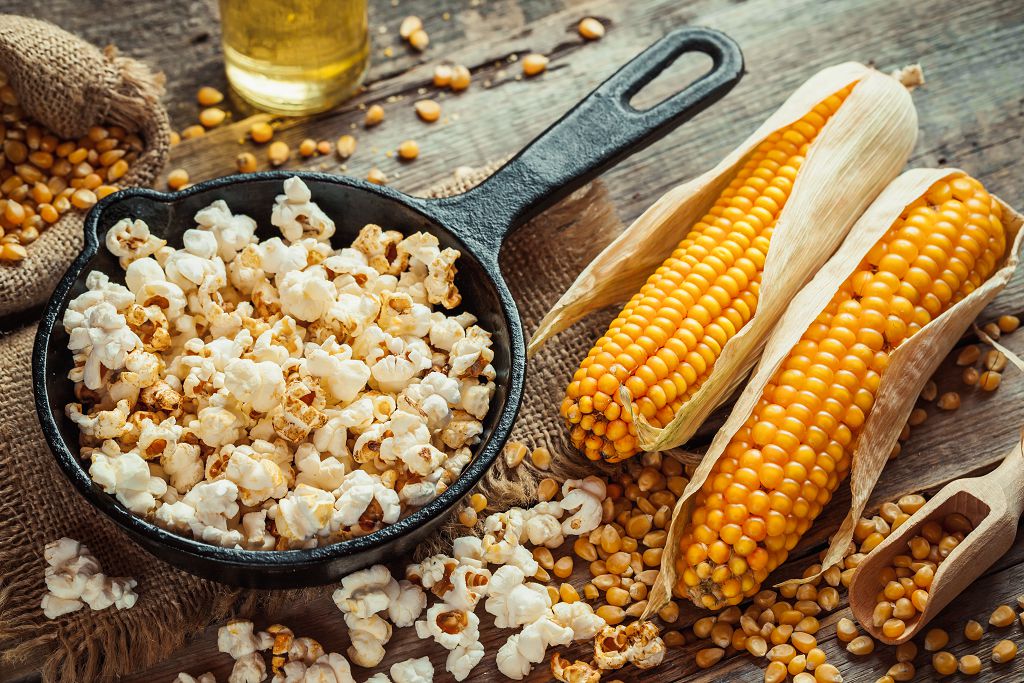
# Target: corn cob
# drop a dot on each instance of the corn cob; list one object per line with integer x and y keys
{"x": 789, "y": 457}
{"x": 664, "y": 343}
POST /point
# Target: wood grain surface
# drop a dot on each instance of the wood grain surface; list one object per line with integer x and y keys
{"x": 971, "y": 115}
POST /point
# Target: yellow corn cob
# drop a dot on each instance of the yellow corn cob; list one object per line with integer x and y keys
{"x": 665, "y": 342}
{"x": 784, "y": 464}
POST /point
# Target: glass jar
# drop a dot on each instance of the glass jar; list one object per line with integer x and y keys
{"x": 295, "y": 56}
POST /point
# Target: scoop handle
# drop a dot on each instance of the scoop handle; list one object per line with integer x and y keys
{"x": 600, "y": 131}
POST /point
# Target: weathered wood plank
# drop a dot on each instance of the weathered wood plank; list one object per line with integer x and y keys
{"x": 969, "y": 117}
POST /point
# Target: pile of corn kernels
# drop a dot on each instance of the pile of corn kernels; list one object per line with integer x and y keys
{"x": 43, "y": 176}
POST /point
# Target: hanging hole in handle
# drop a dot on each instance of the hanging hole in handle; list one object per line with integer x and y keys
{"x": 688, "y": 68}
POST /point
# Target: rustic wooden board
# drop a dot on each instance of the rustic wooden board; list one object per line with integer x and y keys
{"x": 971, "y": 114}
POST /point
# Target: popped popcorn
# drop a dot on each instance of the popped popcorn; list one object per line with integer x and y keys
{"x": 73, "y": 580}
{"x": 280, "y": 393}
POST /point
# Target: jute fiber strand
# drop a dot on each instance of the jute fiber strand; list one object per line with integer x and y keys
{"x": 38, "y": 505}
{"x": 911, "y": 365}
{"x": 861, "y": 148}
{"x": 68, "y": 85}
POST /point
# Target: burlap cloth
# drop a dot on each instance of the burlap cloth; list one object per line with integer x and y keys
{"x": 38, "y": 505}
{"x": 70, "y": 85}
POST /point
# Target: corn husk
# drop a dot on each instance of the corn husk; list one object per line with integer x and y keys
{"x": 861, "y": 148}
{"x": 911, "y": 365}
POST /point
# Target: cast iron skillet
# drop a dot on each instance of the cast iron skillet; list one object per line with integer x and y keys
{"x": 597, "y": 133}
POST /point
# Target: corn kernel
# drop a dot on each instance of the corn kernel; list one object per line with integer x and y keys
{"x": 1004, "y": 651}
{"x": 591, "y": 29}
{"x": 1002, "y": 616}
{"x": 259, "y": 132}
{"x": 534, "y": 64}
{"x": 428, "y": 110}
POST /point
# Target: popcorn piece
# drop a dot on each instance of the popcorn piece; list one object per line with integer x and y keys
{"x": 237, "y": 639}
{"x": 249, "y": 668}
{"x": 355, "y": 495}
{"x": 104, "y": 424}
{"x": 182, "y": 465}
{"x": 510, "y": 600}
{"x": 306, "y": 294}
{"x": 638, "y": 642}
{"x": 449, "y": 626}
{"x": 518, "y": 655}
{"x": 254, "y": 526}
{"x": 129, "y": 240}
{"x": 434, "y": 571}
{"x": 73, "y": 580}
{"x": 301, "y": 411}
{"x": 324, "y": 473}
{"x": 232, "y": 231}
{"x": 462, "y": 660}
{"x": 127, "y": 476}
{"x": 413, "y": 671}
{"x": 586, "y": 509}
{"x": 103, "y": 336}
{"x": 576, "y": 672}
{"x": 366, "y": 592}
{"x": 368, "y": 638}
{"x": 203, "y": 678}
{"x": 146, "y": 279}
{"x": 296, "y": 216}
{"x": 343, "y": 376}
{"x": 580, "y": 617}
{"x": 440, "y": 282}
{"x": 257, "y": 478}
{"x": 260, "y": 385}
{"x": 376, "y": 244}
{"x": 213, "y": 503}
{"x": 469, "y": 585}
{"x": 303, "y": 513}
{"x": 407, "y": 605}
{"x": 330, "y": 668}
{"x": 305, "y": 650}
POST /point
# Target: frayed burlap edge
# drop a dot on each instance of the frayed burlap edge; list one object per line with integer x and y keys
{"x": 69, "y": 85}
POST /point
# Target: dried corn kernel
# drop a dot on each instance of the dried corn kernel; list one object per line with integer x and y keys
{"x": 591, "y": 29}
{"x": 428, "y": 110}
{"x": 534, "y": 64}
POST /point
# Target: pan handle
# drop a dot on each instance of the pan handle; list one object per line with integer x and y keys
{"x": 597, "y": 133}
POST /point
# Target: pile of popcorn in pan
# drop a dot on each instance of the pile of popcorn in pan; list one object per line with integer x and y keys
{"x": 496, "y": 574}
{"x": 276, "y": 394}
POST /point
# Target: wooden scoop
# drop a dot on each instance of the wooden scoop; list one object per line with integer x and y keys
{"x": 993, "y": 503}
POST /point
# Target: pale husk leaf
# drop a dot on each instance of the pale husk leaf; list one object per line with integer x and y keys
{"x": 625, "y": 264}
{"x": 910, "y": 365}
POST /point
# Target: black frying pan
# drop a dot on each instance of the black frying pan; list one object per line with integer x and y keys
{"x": 597, "y": 133}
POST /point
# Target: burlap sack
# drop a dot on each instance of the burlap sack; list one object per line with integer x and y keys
{"x": 69, "y": 85}
{"x": 38, "y": 505}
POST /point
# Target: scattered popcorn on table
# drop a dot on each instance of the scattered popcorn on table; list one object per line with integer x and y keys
{"x": 74, "y": 580}
{"x": 282, "y": 393}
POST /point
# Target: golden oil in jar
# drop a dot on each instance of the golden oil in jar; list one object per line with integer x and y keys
{"x": 295, "y": 56}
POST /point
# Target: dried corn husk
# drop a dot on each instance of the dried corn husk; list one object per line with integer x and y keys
{"x": 911, "y": 364}
{"x": 860, "y": 149}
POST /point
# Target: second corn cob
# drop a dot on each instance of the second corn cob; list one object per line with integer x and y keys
{"x": 788, "y": 458}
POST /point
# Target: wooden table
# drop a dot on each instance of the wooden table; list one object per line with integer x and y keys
{"x": 971, "y": 115}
